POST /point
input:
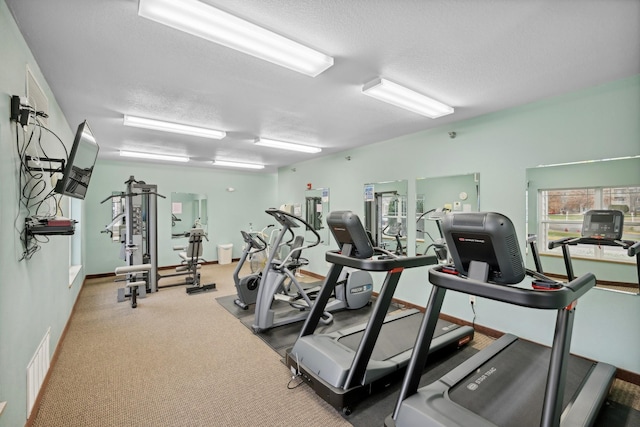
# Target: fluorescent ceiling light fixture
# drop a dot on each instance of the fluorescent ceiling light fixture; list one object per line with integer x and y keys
{"x": 140, "y": 122}
{"x": 237, "y": 164}
{"x": 400, "y": 96}
{"x": 202, "y": 20}
{"x": 287, "y": 145}
{"x": 167, "y": 157}
{"x": 580, "y": 162}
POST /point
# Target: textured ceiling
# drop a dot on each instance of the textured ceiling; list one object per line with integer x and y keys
{"x": 103, "y": 61}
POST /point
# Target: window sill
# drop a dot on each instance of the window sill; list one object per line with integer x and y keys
{"x": 74, "y": 270}
{"x": 629, "y": 261}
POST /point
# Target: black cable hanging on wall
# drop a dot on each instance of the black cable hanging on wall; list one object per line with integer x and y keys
{"x": 34, "y": 173}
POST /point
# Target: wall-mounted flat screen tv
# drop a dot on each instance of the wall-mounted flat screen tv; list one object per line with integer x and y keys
{"x": 79, "y": 167}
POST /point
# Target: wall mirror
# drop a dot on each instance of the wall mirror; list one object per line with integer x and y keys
{"x": 115, "y": 228}
{"x": 316, "y": 213}
{"x": 188, "y": 210}
{"x": 458, "y": 193}
{"x": 558, "y": 197}
{"x": 385, "y": 215}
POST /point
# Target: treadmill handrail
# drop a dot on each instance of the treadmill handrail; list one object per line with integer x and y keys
{"x": 573, "y": 241}
{"x": 533, "y": 298}
{"x": 388, "y": 264}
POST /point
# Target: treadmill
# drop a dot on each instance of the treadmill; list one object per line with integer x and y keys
{"x": 600, "y": 227}
{"x": 348, "y": 365}
{"x": 513, "y": 382}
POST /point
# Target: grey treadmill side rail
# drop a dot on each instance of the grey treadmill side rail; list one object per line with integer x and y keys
{"x": 584, "y": 409}
{"x": 330, "y": 360}
{"x": 431, "y": 405}
{"x": 358, "y": 328}
{"x": 458, "y": 373}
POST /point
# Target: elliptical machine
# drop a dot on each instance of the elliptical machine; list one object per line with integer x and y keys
{"x": 354, "y": 290}
{"x": 247, "y": 286}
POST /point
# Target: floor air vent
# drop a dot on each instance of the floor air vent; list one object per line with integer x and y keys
{"x": 37, "y": 371}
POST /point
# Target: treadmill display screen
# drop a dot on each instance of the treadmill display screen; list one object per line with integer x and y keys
{"x": 349, "y": 232}
{"x": 488, "y": 238}
{"x": 476, "y": 247}
{"x": 603, "y": 224}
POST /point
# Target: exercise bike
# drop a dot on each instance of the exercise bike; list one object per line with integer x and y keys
{"x": 256, "y": 251}
{"x": 274, "y": 290}
{"x": 247, "y": 286}
{"x": 258, "y": 259}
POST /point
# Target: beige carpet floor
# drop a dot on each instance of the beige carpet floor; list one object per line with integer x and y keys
{"x": 181, "y": 360}
{"x": 176, "y": 360}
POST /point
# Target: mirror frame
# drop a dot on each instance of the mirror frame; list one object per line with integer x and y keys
{"x": 313, "y": 196}
{"x": 199, "y": 209}
{"x": 374, "y": 215}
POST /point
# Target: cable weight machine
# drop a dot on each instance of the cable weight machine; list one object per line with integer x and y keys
{"x": 140, "y": 238}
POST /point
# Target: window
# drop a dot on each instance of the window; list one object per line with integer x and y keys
{"x": 75, "y": 243}
{"x": 561, "y": 214}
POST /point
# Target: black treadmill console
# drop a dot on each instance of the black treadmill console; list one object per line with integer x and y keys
{"x": 603, "y": 224}
{"x": 484, "y": 243}
{"x": 350, "y": 234}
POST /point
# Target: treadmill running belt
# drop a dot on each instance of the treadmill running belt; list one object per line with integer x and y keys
{"x": 508, "y": 390}
{"x": 396, "y": 336}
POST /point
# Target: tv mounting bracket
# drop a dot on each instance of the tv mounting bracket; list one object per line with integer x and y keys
{"x": 44, "y": 159}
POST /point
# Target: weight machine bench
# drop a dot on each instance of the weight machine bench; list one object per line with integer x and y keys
{"x": 137, "y": 278}
{"x": 192, "y": 260}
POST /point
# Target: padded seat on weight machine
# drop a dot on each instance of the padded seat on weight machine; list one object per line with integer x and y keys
{"x": 194, "y": 250}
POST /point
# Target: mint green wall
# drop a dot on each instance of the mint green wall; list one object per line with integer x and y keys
{"x": 228, "y": 212}
{"x": 599, "y": 122}
{"x": 34, "y": 294}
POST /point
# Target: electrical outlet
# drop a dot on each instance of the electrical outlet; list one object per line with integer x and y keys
{"x": 472, "y": 299}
